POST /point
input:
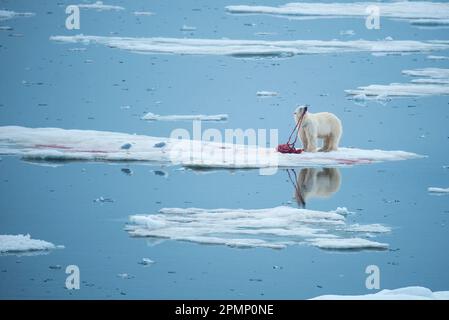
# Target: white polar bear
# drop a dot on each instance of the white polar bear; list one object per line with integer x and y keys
{"x": 322, "y": 125}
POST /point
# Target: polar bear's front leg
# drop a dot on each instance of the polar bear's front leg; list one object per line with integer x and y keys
{"x": 312, "y": 139}
{"x": 303, "y": 137}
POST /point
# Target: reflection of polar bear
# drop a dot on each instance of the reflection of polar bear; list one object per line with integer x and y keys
{"x": 316, "y": 183}
{"x": 322, "y": 125}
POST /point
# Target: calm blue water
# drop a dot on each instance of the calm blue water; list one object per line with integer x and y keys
{"x": 56, "y": 203}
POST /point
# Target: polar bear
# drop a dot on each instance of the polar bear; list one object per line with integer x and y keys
{"x": 316, "y": 183}
{"x": 322, "y": 125}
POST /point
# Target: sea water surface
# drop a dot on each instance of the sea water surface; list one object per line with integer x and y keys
{"x": 46, "y": 84}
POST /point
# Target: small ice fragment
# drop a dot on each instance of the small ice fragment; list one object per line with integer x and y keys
{"x": 125, "y": 107}
{"x": 55, "y": 267}
{"x": 146, "y": 261}
{"x": 103, "y": 200}
{"x": 126, "y": 146}
{"x": 266, "y": 93}
{"x": 438, "y": 190}
{"x": 125, "y": 276}
{"x": 188, "y": 28}
{"x": 342, "y": 210}
{"x": 143, "y": 13}
{"x": 159, "y": 145}
{"x": 389, "y": 38}
{"x": 347, "y": 32}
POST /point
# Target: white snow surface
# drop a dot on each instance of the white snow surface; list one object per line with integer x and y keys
{"x": 259, "y": 48}
{"x": 423, "y": 13}
{"x": 53, "y": 144}
{"x": 407, "y": 293}
{"x": 200, "y": 117}
{"x": 427, "y": 82}
{"x": 23, "y": 243}
{"x": 273, "y": 228}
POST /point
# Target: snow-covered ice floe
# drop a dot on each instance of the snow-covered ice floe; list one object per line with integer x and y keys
{"x": 257, "y": 48}
{"x": 273, "y": 228}
{"x": 99, "y": 6}
{"x": 407, "y": 293}
{"x": 54, "y": 144}
{"x": 6, "y": 14}
{"x": 23, "y": 243}
{"x": 428, "y": 81}
{"x": 421, "y": 13}
{"x": 435, "y": 190}
{"x": 200, "y": 117}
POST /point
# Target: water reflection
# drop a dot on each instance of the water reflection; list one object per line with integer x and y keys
{"x": 314, "y": 183}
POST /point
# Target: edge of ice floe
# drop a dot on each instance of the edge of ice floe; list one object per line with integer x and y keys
{"x": 406, "y": 293}
{"x": 12, "y": 244}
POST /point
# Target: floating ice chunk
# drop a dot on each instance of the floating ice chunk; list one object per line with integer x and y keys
{"x": 6, "y": 14}
{"x": 433, "y": 81}
{"x": 103, "y": 200}
{"x": 143, "y": 13}
{"x": 5, "y": 28}
{"x": 188, "y": 28}
{"x": 432, "y": 57}
{"x": 347, "y": 32}
{"x": 266, "y": 93}
{"x": 407, "y": 293}
{"x": 155, "y": 117}
{"x": 347, "y": 244}
{"x": 438, "y": 190}
{"x": 146, "y": 261}
{"x": 260, "y": 48}
{"x": 125, "y": 276}
{"x": 23, "y": 243}
{"x": 99, "y": 6}
{"x": 417, "y": 12}
{"x": 342, "y": 210}
{"x": 269, "y": 228}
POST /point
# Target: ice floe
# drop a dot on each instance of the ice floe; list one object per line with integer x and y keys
{"x": 269, "y": 228}
{"x": 187, "y": 28}
{"x": 407, "y": 293}
{"x": 23, "y": 243}
{"x": 256, "y": 48}
{"x": 143, "y": 13}
{"x": 99, "y": 6}
{"x": 200, "y": 117}
{"x": 428, "y": 81}
{"x": 436, "y": 190}
{"x": 266, "y": 93}
{"x": 54, "y": 144}
{"x": 6, "y": 14}
{"x": 432, "y": 57}
{"x": 422, "y": 13}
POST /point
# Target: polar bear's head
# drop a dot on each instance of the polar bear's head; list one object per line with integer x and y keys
{"x": 300, "y": 110}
